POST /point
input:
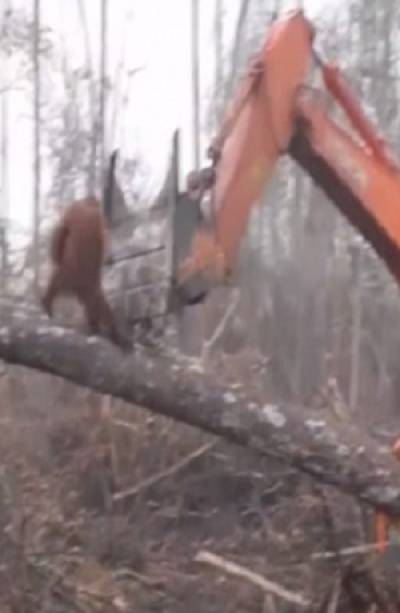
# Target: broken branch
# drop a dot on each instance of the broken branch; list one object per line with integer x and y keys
{"x": 180, "y": 465}
{"x": 240, "y": 571}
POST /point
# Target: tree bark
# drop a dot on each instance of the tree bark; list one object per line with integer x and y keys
{"x": 315, "y": 442}
{"x": 91, "y": 180}
{"x": 237, "y": 45}
{"x": 36, "y": 134}
{"x": 103, "y": 82}
{"x": 196, "y": 82}
{"x": 5, "y": 133}
{"x": 219, "y": 54}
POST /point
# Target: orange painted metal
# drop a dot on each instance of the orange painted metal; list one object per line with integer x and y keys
{"x": 257, "y": 129}
{"x": 381, "y": 530}
{"x": 336, "y": 84}
{"x": 260, "y": 122}
{"x": 206, "y": 255}
{"x": 373, "y": 182}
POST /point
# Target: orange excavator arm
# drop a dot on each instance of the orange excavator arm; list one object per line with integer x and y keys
{"x": 256, "y": 130}
{"x": 274, "y": 113}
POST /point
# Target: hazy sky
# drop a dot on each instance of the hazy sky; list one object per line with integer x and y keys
{"x": 156, "y": 34}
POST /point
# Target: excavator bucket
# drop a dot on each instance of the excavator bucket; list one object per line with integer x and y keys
{"x": 179, "y": 214}
{"x": 186, "y": 220}
{"x": 183, "y": 218}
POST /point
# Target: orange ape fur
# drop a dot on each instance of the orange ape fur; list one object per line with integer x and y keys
{"x": 77, "y": 250}
{"x": 382, "y": 522}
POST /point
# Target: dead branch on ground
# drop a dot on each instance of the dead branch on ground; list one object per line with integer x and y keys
{"x": 239, "y": 571}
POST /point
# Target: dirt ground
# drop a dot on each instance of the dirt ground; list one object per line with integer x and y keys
{"x": 104, "y": 507}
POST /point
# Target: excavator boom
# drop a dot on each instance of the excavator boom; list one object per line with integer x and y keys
{"x": 262, "y": 131}
{"x": 255, "y": 132}
{"x": 365, "y": 189}
{"x": 274, "y": 113}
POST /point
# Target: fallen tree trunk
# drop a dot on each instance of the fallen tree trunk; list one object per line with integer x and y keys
{"x": 334, "y": 452}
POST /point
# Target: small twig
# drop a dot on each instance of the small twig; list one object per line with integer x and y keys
{"x": 106, "y": 410}
{"x": 128, "y": 573}
{"x": 334, "y": 599}
{"x": 349, "y": 551}
{"x": 125, "y": 424}
{"x": 23, "y": 557}
{"x": 114, "y": 259}
{"x": 239, "y": 571}
{"x": 163, "y": 474}
{"x": 208, "y": 344}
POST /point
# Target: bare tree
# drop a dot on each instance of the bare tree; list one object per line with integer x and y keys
{"x": 219, "y": 47}
{"x": 91, "y": 181}
{"x": 37, "y": 163}
{"x": 4, "y": 162}
{"x": 196, "y": 83}
{"x": 237, "y": 44}
{"x": 191, "y": 324}
{"x": 356, "y": 332}
{"x": 103, "y": 83}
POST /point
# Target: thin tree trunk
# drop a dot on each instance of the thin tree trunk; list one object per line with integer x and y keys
{"x": 196, "y": 83}
{"x": 191, "y": 327}
{"x": 354, "y": 384}
{"x": 297, "y": 248}
{"x": 4, "y": 165}
{"x": 219, "y": 46}
{"x": 103, "y": 84}
{"x": 67, "y": 186}
{"x": 237, "y": 44}
{"x": 4, "y": 192}
{"x": 37, "y": 164}
{"x": 118, "y": 96}
{"x": 91, "y": 180}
